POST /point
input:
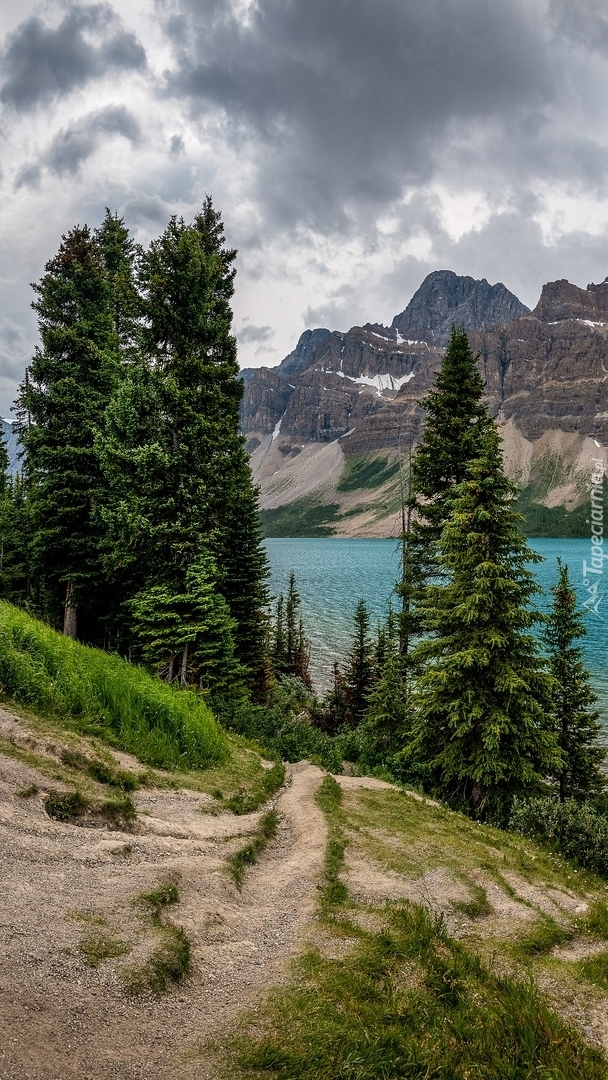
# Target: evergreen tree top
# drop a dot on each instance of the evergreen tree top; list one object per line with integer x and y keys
{"x": 456, "y": 417}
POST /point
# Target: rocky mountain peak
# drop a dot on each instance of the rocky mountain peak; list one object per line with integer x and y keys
{"x": 445, "y": 298}
{"x": 561, "y": 300}
{"x": 307, "y": 346}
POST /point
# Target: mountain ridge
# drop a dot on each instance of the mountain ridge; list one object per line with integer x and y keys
{"x": 546, "y": 383}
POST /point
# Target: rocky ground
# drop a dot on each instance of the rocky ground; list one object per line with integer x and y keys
{"x": 64, "y": 884}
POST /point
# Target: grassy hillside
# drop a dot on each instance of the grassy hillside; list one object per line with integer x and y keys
{"x": 100, "y": 694}
{"x": 445, "y": 949}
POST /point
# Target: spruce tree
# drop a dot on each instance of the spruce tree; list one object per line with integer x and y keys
{"x": 359, "y": 668}
{"x": 456, "y": 420}
{"x": 480, "y": 725}
{"x": 118, "y": 252}
{"x": 188, "y": 636}
{"x": 573, "y": 700}
{"x": 172, "y": 452}
{"x": 385, "y": 724}
{"x": 14, "y": 534}
{"x": 61, "y": 405}
{"x": 290, "y": 654}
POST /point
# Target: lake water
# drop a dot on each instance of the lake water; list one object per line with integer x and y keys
{"x": 333, "y": 574}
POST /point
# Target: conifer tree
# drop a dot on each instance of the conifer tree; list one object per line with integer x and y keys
{"x": 333, "y": 714}
{"x": 172, "y": 451}
{"x": 14, "y": 534}
{"x": 573, "y": 700}
{"x": 359, "y": 668}
{"x": 63, "y": 398}
{"x": 188, "y": 636}
{"x": 384, "y": 727}
{"x": 456, "y": 420}
{"x": 279, "y": 644}
{"x": 118, "y": 252}
{"x": 290, "y": 650}
{"x": 480, "y": 726}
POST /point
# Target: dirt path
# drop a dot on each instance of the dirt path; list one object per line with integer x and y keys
{"x": 60, "y": 1019}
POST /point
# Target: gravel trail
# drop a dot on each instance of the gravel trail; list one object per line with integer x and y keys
{"x": 61, "y": 1019}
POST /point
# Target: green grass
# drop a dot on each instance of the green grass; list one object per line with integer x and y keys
{"x": 247, "y": 800}
{"x": 100, "y": 694}
{"x": 410, "y": 1002}
{"x": 302, "y": 517}
{"x": 543, "y": 936}
{"x": 118, "y": 811}
{"x": 478, "y": 906}
{"x": 170, "y": 959}
{"x": 101, "y": 944}
{"x": 28, "y": 792}
{"x": 248, "y": 855}
{"x": 367, "y": 472}
{"x": 595, "y": 969}
{"x": 167, "y": 893}
{"x": 66, "y": 805}
{"x": 168, "y": 964}
{"x": 595, "y": 920}
{"x": 407, "y": 1001}
{"x": 333, "y": 891}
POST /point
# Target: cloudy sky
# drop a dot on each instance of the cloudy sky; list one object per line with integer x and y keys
{"x": 351, "y": 145}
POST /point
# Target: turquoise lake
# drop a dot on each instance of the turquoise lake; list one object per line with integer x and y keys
{"x": 332, "y": 574}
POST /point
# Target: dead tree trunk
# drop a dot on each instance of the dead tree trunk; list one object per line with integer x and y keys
{"x": 70, "y": 613}
{"x": 183, "y": 675}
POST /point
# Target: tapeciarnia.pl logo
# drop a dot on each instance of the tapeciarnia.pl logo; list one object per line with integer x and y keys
{"x": 593, "y": 571}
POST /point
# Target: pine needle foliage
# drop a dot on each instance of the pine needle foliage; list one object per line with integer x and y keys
{"x": 456, "y": 418}
{"x": 573, "y": 700}
{"x": 60, "y": 406}
{"x": 481, "y": 706}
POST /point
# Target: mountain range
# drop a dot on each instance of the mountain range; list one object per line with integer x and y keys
{"x": 328, "y": 427}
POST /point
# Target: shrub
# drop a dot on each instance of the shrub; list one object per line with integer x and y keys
{"x": 283, "y": 727}
{"x": 66, "y": 805}
{"x": 575, "y": 830}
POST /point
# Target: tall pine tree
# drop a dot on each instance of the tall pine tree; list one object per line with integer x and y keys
{"x": 172, "y": 452}
{"x": 61, "y": 405}
{"x": 480, "y": 726}
{"x": 576, "y": 718}
{"x": 456, "y": 420}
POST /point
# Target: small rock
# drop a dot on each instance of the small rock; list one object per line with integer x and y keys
{"x": 114, "y": 847}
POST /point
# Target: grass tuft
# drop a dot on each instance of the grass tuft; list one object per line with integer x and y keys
{"x": 170, "y": 960}
{"x": 595, "y": 920}
{"x": 541, "y": 938}
{"x": 118, "y": 812}
{"x": 27, "y": 792}
{"x": 249, "y": 854}
{"x": 595, "y": 969}
{"x": 333, "y": 892}
{"x": 247, "y": 802}
{"x": 102, "y": 944}
{"x": 167, "y": 893}
{"x": 66, "y": 805}
{"x": 478, "y": 906}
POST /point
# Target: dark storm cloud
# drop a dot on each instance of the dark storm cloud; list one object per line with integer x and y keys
{"x": 42, "y": 62}
{"x": 255, "y": 334}
{"x": 146, "y": 210}
{"x": 76, "y": 143}
{"x": 348, "y": 102}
